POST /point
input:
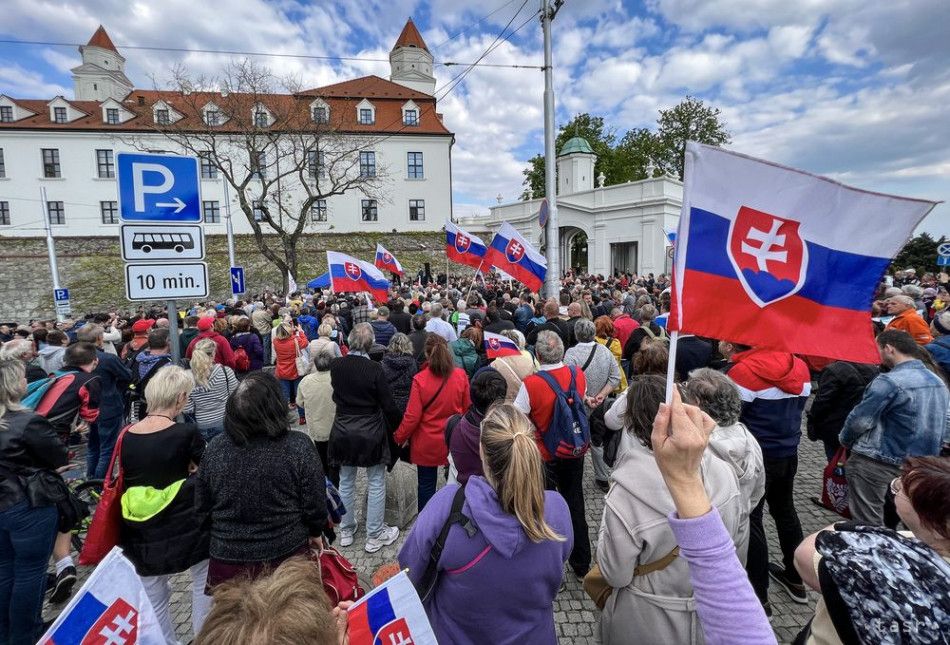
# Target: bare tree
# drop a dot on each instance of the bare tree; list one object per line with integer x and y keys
{"x": 276, "y": 154}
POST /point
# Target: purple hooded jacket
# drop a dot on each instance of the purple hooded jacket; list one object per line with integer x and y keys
{"x": 466, "y": 606}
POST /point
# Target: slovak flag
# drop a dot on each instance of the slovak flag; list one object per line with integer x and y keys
{"x": 463, "y": 247}
{"x": 511, "y": 253}
{"x": 497, "y": 346}
{"x": 776, "y": 258}
{"x": 111, "y": 607}
{"x": 349, "y": 275}
{"x": 387, "y": 261}
{"x": 390, "y": 614}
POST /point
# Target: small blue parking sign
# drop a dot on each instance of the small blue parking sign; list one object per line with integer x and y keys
{"x": 61, "y": 295}
{"x": 237, "y": 280}
{"x": 158, "y": 188}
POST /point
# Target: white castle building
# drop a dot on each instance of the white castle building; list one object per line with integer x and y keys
{"x": 602, "y": 228}
{"x": 62, "y": 151}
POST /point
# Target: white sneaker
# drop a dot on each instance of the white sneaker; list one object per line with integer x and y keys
{"x": 386, "y": 537}
{"x": 346, "y": 539}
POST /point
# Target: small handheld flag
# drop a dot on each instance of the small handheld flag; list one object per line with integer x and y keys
{"x": 463, "y": 247}
{"x": 390, "y": 614}
{"x": 790, "y": 261}
{"x": 511, "y": 253}
{"x": 349, "y": 275}
{"x": 387, "y": 261}
{"x": 497, "y": 346}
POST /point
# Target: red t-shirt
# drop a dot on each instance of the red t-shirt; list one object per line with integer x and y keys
{"x": 542, "y": 399}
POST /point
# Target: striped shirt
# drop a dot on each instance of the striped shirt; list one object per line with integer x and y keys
{"x": 207, "y": 402}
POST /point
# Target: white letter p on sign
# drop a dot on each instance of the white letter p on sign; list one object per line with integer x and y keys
{"x": 140, "y": 188}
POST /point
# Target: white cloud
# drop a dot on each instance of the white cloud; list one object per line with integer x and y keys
{"x": 17, "y": 82}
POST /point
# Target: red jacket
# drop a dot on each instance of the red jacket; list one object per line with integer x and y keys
{"x": 425, "y": 428}
{"x": 624, "y": 325}
{"x": 224, "y": 354}
{"x": 541, "y": 399}
{"x": 286, "y": 356}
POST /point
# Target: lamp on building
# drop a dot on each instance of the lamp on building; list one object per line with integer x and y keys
{"x": 650, "y": 168}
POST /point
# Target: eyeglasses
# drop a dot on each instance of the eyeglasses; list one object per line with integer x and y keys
{"x": 896, "y": 486}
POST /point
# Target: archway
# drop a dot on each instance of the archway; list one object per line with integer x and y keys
{"x": 574, "y": 252}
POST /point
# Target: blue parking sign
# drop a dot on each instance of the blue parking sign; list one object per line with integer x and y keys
{"x": 61, "y": 295}
{"x": 158, "y": 188}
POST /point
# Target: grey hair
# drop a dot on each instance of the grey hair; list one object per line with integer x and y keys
{"x": 715, "y": 394}
{"x": 322, "y": 359}
{"x": 15, "y": 349}
{"x": 647, "y": 313}
{"x": 912, "y": 290}
{"x": 943, "y": 318}
{"x": 400, "y": 344}
{"x": 361, "y": 338}
{"x": 514, "y": 335}
{"x": 905, "y": 300}
{"x": 90, "y": 333}
{"x": 549, "y": 348}
{"x": 890, "y": 292}
{"x": 11, "y": 387}
{"x": 584, "y": 330}
{"x": 436, "y": 310}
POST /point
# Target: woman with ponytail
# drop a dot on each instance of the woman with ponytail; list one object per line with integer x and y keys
{"x": 213, "y": 385}
{"x": 511, "y": 535}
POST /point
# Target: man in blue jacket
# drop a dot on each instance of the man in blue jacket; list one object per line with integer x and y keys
{"x": 903, "y": 414}
{"x": 940, "y": 347}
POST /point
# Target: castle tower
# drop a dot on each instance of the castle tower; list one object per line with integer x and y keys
{"x": 102, "y": 73}
{"x": 575, "y": 167}
{"x": 410, "y": 61}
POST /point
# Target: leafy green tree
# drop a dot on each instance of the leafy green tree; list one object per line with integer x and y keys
{"x": 690, "y": 120}
{"x": 919, "y": 253}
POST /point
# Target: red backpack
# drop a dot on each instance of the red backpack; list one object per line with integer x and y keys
{"x": 242, "y": 362}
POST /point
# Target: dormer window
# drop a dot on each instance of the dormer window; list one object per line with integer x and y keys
{"x": 212, "y": 116}
{"x": 112, "y": 116}
{"x": 321, "y": 116}
{"x": 261, "y": 119}
{"x": 6, "y": 114}
{"x": 59, "y": 115}
{"x": 367, "y": 117}
{"x": 410, "y": 117}
{"x": 161, "y": 116}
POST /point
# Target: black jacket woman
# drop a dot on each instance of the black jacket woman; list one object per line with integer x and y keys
{"x": 162, "y": 533}
{"x": 28, "y": 444}
{"x": 399, "y": 365}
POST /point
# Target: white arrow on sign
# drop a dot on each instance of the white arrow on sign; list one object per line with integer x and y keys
{"x": 180, "y": 205}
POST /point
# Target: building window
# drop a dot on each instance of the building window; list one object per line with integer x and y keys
{"x": 208, "y": 169}
{"x": 258, "y": 210}
{"x": 260, "y": 119}
{"x": 5, "y": 213}
{"x": 367, "y": 117}
{"x": 161, "y": 117}
{"x": 57, "y": 214}
{"x": 3, "y": 165}
{"x": 320, "y": 115}
{"x": 417, "y": 210}
{"x": 212, "y": 212}
{"x": 110, "y": 212}
{"x": 6, "y": 114}
{"x": 112, "y": 116}
{"x": 410, "y": 117}
{"x": 59, "y": 114}
{"x": 370, "y": 213}
{"x": 415, "y": 165}
{"x": 318, "y": 212}
{"x": 316, "y": 166}
{"x": 105, "y": 164}
{"x": 258, "y": 165}
{"x": 212, "y": 117}
{"x": 367, "y": 164}
{"x": 51, "y": 162}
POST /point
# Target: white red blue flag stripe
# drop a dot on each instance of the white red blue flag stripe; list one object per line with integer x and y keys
{"x": 349, "y": 275}
{"x": 497, "y": 345}
{"x": 463, "y": 247}
{"x": 390, "y": 614}
{"x": 387, "y": 261}
{"x": 791, "y": 260}
{"x": 511, "y": 253}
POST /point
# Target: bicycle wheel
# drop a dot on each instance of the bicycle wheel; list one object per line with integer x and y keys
{"x": 88, "y": 492}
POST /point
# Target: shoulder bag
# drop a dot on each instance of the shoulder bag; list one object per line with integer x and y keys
{"x": 106, "y": 524}
{"x": 599, "y": 591}
{"x": 426, "y": 584}
{"x": 302, "y": 362}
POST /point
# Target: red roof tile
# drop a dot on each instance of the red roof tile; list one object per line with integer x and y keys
{"x": 410, "y": 37}
{"x": 101, "y": 39}
{"x": 366, "y": 87}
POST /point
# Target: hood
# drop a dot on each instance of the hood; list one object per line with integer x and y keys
{"x": 502, "y": 530}
{"x": 50, "y": 351}
{"x": 463, "y": 347}
{"x": 146, "y": 361}
{"x": 761, "y": 369}
{"x": 398, "y": 361}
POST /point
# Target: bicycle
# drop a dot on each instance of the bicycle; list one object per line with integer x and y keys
{"x": 89, "y": 491}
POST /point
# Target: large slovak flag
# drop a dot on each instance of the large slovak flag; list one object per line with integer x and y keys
{"x": 387, "y": 261}
{"x": 111, "y": 607}
{"x": 497, "y": 346}
{"x": 463, "y": 247}
{"x": 774, "y": 257}
{"x": 390, "y": 614}
{"x": 349, "y": 275}
{"x": 511, "y": 253}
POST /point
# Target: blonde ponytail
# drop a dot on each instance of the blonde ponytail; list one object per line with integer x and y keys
{"x": 202, "y": 360}
{"x": 513, "y": 467}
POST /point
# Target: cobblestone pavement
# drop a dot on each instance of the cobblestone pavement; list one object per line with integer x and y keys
{"x": 575, "y": 615}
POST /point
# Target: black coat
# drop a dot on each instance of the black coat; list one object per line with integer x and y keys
{"x": 840, "y": 387}
{"x": 402, "y": 321}
{"x": 366, "y": 413}
{"x": 399, "y": 370}
{"x": 556, "y": 325}
{"x": 27, "y": 443}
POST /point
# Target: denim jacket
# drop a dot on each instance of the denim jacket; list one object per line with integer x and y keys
{"x": 903, "y": 413}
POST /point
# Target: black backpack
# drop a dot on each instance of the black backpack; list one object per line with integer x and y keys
{"x": 568, "y": 436}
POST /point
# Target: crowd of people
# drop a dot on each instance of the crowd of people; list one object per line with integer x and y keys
{"x": 230, "y": 452}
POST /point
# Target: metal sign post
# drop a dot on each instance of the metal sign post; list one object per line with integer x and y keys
{"x": 173, "y": 332}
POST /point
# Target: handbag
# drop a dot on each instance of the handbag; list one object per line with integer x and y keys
{"x": 834, "y": 484}
{"x": 103, "y": 533}
{"x": 595, "y": 585}
{"x": 48, "y": 488}
{"x": 404, "y": 451}
{"x": 338, "y": 575}
{"x": 302, "y": 361}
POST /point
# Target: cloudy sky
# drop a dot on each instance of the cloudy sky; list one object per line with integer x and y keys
{"x": 851, "y": 89}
